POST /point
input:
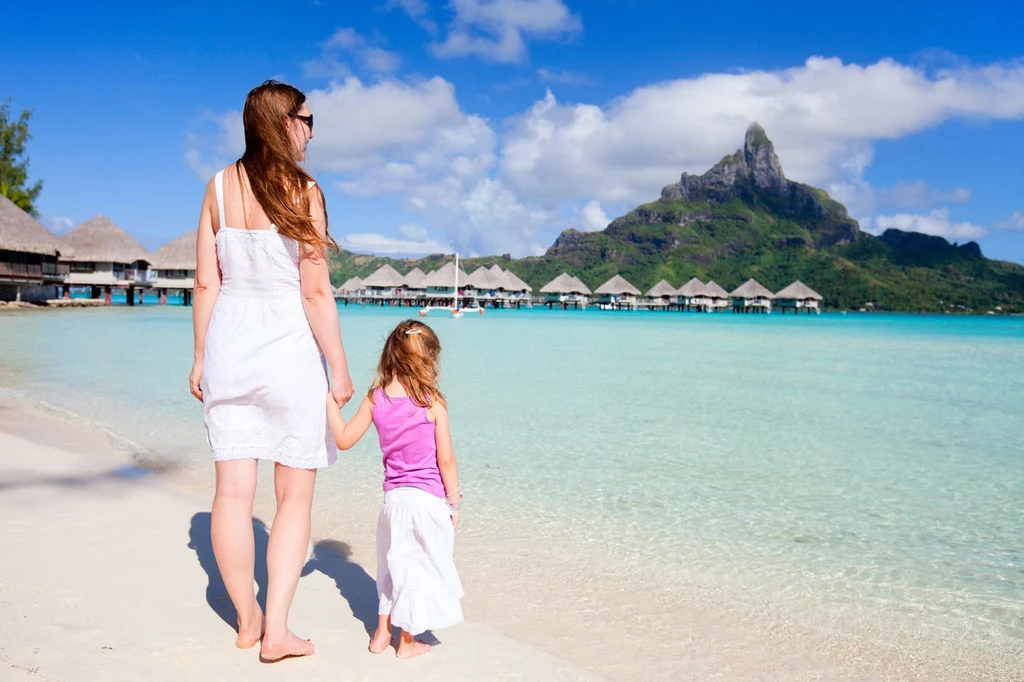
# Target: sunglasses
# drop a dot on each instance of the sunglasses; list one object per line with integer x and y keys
{"x": 308, "y": 120}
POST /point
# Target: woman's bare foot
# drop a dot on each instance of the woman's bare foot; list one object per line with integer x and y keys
{"x": 410, "y": 647}
{"x": 251, "y": 631}
{"x": 290, "y": 646}
{"x": 381, "y": 639}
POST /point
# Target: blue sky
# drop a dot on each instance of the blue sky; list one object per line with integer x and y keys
{"x": 488, "y": 126}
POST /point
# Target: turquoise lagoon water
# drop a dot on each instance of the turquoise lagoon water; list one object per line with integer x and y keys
{"x": 859, "y": 475}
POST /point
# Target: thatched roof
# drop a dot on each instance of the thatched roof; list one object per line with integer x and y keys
{"x": 513, "y": 283}
{"x": 414, "y": 279}
{"x": 751, "y": 289}
{"x": 714, "y": 291}
{"x": 694, "y": 287}
{"x": 179, "y": 254}
{"x": 484, "y": 279}
{"x": 618, "y": 285}
{"x": 100, "y": 240}
{"x": 496, "y": 270}
{"x": 799, "y": 290}
{"x": 351, "y": 284}
{"x": 662, "y": 288}
{"x": 385, "y": 277}
{"x": 564, "y": 284}
{"x": 21, "y": 232}
{"x": 443, "y": 277}
{"x": 580, "y": 286}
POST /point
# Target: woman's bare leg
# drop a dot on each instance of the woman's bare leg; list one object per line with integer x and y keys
{"x": 234, "y": 545}
{"x": 286, "y": 554}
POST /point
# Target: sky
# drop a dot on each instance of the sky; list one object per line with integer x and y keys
{"x": 489, "y": 126}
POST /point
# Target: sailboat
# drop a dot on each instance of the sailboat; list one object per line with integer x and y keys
{"x": 454, "y": 309}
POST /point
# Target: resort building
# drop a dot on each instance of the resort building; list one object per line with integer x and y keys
{"x": 661, "y": 296}
{"x": 617, "y": 294}
{"x": 174, "y": 268}
{"x": 796, "y": 296}
{"x": 29, "y": 255}
{"x": 693, "y": 296}
{"x": 716, "y": 297}
{"x": 566, "y": 291}
{"x": 751, "y": 297}
{"x": 105, "y": 257}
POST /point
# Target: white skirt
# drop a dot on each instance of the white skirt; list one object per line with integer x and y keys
{"x": 417, "y": 583}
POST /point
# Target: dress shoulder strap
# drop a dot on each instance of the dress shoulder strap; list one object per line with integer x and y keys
{"x": 218, "y": 183}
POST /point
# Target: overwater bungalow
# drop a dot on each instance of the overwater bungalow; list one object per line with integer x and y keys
{"x": 105, "y": 257}
{"x": 796, "y": 296}
{"x": 751, "y": 297}
{"x": 384, "y": 285}
{"x": 412, "y": 284}
{"x": 565, "y": 291}
{"x": 488, "y": 288}
{"x": 29, "y": 254}
{"x": 617, "y": 294}
{"x": 518, "y": 291}
{"x": 660, "y": 296}
{"x": 693, "y": 296}
{"x": 174, "y": 268}
{"x": 717, "y": 298}
{"x": 441, "y": 286}
{"x": 350, "y": 288}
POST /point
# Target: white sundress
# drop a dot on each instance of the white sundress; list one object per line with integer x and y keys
{"x": 264, "y": 378}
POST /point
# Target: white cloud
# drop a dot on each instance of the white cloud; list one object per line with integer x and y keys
{"x": 496, "y": 29}
{"x": 391, "y": 128}
{"x": 209, "y": 151}
{"x": 418, "y": 10}
{"x": 1014, "y": 222}
{"x": 565, "y": 77}
{"x": 372, "y": 242}
{"x": 561, "y": 165}
{"x": 823, "y": 116}
{"x": 349, "y": 41}
{"x": 594, "y": 218}
{"x": 58, "y": 224}
{"x": 325, "y": 68}
{"x": 412, "y": 231}
{"x": 863, "y": 199}
{"x": 935, "y": 223}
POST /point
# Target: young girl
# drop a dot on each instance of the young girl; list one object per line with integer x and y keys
{"x": 417, "y": 584}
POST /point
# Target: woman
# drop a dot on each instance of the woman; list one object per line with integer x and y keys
{"x": 265, "y": 319}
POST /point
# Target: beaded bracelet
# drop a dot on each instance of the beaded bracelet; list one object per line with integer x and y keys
{"x": 454, "y": 506}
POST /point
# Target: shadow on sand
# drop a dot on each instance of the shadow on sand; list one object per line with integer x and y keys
{"x": 216, "y": 594}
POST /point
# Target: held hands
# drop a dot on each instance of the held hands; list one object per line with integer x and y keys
{"x": 342, "y": 389}
{"x": 194, "y": 378}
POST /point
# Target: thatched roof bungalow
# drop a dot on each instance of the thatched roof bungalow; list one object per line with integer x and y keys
{"x": 617, "y": 292}
{"x": 174, "y": 264}
{"x": 103, "y": 254}
{"x": 28, "y": 251}
{"x": 796, "y": 296}
{"x": 717, "y": 298}
{"x": 751, "y": 296}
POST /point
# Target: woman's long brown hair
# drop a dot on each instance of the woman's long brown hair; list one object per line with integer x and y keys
{"x": 277, "y": 181}
{"x": 411, "y": 355}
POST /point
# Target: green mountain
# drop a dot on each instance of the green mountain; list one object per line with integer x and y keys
{"x": 743, "y": 219}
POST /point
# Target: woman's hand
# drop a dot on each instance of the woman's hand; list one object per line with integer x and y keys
{"x": 194, "y": 378}
{"x": 342, "y": 389}
{"x": 455, "y": 518}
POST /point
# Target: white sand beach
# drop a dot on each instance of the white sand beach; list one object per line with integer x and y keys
{"x": 106, "y": 573}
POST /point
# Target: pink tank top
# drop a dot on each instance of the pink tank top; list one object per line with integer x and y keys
{"x": 407, "y": 442}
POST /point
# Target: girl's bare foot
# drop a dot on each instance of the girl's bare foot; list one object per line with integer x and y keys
{"x": 290, "y": 646}
{"x": 251, "y": 630}
{"x": 381, "y": 639}
{"x": 410, "y": 647}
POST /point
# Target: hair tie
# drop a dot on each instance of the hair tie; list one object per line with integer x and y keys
{"x": 414, "y": 331}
